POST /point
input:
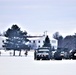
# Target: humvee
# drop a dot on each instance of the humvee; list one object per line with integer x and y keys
{"x": 42, "y": 53}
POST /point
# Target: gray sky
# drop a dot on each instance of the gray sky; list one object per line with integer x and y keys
{"x": 37, "y": 16}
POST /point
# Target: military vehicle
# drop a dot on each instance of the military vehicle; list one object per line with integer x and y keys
{"x": 42, "y": 53}
{"x": 73, "y": 54}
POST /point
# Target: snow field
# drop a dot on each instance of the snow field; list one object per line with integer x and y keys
{"x": 22, "y": 65}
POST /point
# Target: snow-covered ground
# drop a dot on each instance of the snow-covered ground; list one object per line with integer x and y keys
{"x": 10, "y": 65}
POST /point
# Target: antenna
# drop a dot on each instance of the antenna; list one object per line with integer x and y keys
{"x": 45, "y": 33}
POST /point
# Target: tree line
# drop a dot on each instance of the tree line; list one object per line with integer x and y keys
{"x": 16, "y": 40}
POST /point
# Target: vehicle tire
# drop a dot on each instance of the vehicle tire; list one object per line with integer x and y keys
{"x": 58, "y": 58}
{"x": 48, "y": 59}
{"x": 38, "y": 59}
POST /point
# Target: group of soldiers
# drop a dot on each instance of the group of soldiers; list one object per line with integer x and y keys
{"x": 26, "y": 53}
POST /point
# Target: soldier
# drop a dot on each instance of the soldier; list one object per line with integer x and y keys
{"x": 0, "y": 53}
{"x": 34, "y": 54}
{"x": 10, "y": 53}
{"x": 26, "y": 53}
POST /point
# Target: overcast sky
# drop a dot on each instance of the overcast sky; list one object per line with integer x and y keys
{"x": 37, "y": 16}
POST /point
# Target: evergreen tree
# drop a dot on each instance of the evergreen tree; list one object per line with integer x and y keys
{"x": 16, "y": 39}
{"x": 47, "y": 42}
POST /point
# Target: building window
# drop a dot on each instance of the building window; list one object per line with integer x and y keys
{"x": 53, "y": 41}
{"x": 39, "y": 46}
{"x": 30, "y": 41}
{"x": 34, "y": 41}
{"x": 39, "y": 41}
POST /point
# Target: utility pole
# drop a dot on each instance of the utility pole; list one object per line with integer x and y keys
{"x": 45, "y": 33}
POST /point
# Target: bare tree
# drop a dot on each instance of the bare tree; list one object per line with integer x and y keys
{"x": 57, "y": 36}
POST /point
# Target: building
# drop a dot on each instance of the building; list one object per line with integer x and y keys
{"x": 69, "y": 42}
{"x": 38, "y": 41}
{"x": 54, "y": 43}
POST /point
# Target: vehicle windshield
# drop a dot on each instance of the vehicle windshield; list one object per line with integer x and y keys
{"x": 43, "y": 50}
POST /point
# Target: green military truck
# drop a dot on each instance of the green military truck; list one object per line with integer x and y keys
{"x": 42, "y": 53}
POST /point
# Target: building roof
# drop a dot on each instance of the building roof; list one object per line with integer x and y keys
{"x": 35, "y": 38}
